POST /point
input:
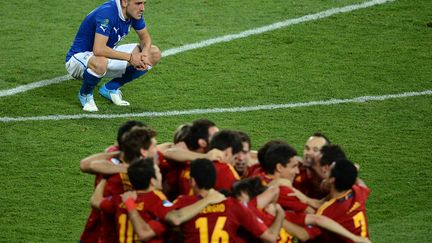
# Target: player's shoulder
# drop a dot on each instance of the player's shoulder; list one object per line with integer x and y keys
{"x": 233, "y": 203}
{"x": 184, "y": 200}
{"x": 283, "y": 190}
{"x": 159, "y": 195}
{"x": 361, "y": 191}
{"x": 108, "y": 10}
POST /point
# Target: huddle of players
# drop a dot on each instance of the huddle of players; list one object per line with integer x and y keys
{"x": 222, "y": 191}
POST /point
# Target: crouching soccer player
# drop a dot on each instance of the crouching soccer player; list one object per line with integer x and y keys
{"x": 94, "y": 53}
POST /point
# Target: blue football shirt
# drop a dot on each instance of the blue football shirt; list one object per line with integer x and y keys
{"x": 107, "y": 20}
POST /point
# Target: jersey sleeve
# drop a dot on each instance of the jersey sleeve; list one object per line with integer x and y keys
{"x": 104, "y": 22}
{"x": 138, "y": 24}
{"x": 361, "y": 193}
{"x": 161, "y": 206}
{"x": 296, "y": 218}
{"x": 312, "y": 230}
{"x": 183, "y": 201}
{"x": 290, "y": 202}
{"x": 226, "y": 176}
{"x": 248, "y": 220}
{"x": 109, "y": 204}
{"x": 158, "y": 227}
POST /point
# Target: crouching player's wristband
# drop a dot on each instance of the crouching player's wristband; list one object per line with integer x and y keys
{"x": 130, "y": 204}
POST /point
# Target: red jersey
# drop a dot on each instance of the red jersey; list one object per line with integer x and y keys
{"x": 309, "y": 184}
{"x": 184, "y": 180}
{"x": 349, "y": 210}
{"x": 290, "y": 203}
{"x": 171, "y": 174}
{"x": 115, "y": 185}
{"x": 92, "y": 227}
{"x": 268, "y": 219}
{"x": 219, "y": 222}
{"x": 226, "y": 176}
{"x": 254, "y": 170}
{"x": 152, "y": 207}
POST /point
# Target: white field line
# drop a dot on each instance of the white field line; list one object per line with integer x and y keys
{"x": 218, "y": 110}
{"x": 209, "y": 42}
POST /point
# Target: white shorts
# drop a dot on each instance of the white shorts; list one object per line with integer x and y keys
{"x": 77, "y": 64}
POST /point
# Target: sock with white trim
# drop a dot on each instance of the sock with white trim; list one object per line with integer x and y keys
{"x": 130, "y": 74}
{"x": 91, "y": 79}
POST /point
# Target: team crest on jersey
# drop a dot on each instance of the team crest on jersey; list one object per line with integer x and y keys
{"x": 105, "y": 23}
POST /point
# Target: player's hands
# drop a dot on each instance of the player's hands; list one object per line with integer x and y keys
{"x": 145, "y": 57}
{"x": 129, "y": 194}
{"x": 136, "y": 60}
{"x": 214, "y": 154}
{"x": 214, "y": 196}
{"x": 271, "y": 209}
{"x": 279, "y": 209}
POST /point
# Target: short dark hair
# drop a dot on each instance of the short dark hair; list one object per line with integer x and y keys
{"x": 278, "y": 154}
{"x": 321, "y": 135}
{"x": 182, "y": 132}
{"x": 140, "y": 173}
{"x": 263, "y": 150}
{"x": 198, "y": 130}
{"x": 345, "y": 174}
{"x": 126, "y": 127}
{"x": 204, "y": 173}
{"x": 252, "y": 186}
{"x": 331, "y": 153}
{"x": 245, "y": 138}
{"x": 225, "y": 139}
{"x": 133, "y": 141}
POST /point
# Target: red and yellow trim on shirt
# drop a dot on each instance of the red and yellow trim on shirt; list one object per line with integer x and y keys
{"x": 333, "y": 200}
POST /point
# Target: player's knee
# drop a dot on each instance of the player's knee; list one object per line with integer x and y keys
{"x": 99, "y": 65}
{"x": 155, "y": 53}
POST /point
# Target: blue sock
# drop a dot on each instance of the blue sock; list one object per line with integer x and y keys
{"x": 90, "y": 81}
{"x": 130, "y": 74}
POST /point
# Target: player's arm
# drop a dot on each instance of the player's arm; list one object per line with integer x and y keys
{"x": 141, "y": 227}
{"x": 179, "y": 216}
{"x": 145, "y": 44}
{"x": 268, "y": 196}
{"x": 295, "y": 230}
{"x": 101, "y": 49}
{"x": 97, "y": 196}
{"x": 331, "y": 225}
{"x": 164, "y": 146}
{"x": 272, "y": 233}
{"x": 180, "y": 154}
{"x": 323, "y": 222}
{"x": 100, "y": 163}
{"x": 253, "y": 157}
{"x": 314, "y": 203}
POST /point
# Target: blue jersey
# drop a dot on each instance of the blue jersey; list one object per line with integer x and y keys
{"x": 107, "y": 20}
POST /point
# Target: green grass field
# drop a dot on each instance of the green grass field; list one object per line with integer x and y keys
{"x": 380, "y": 50}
